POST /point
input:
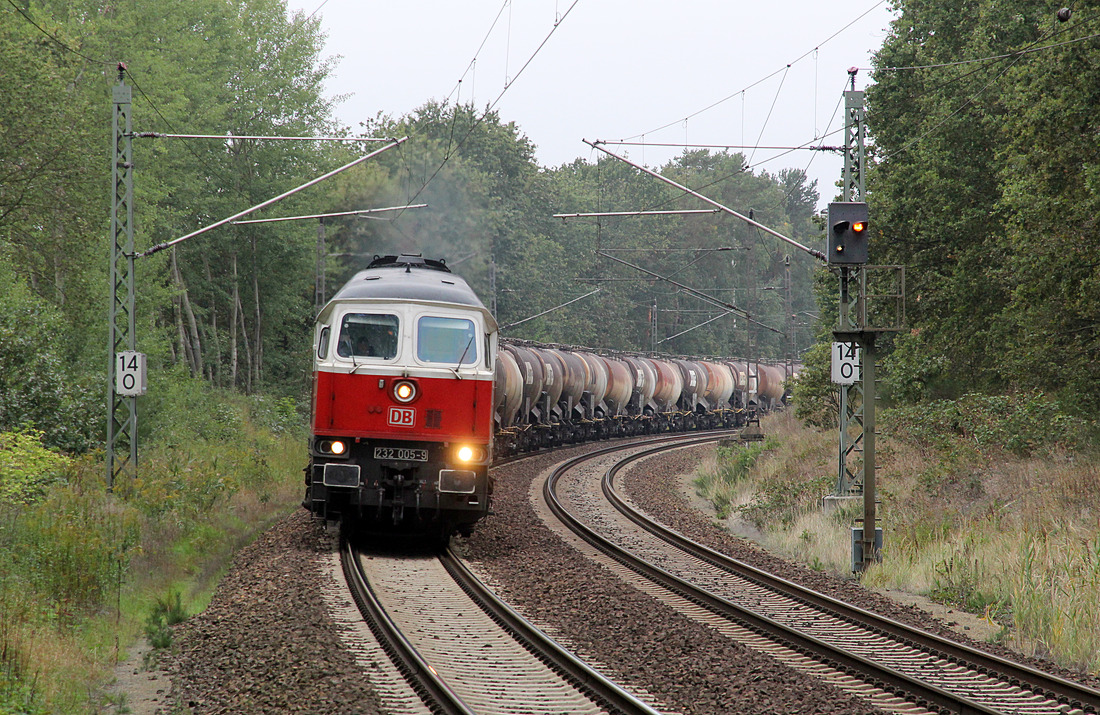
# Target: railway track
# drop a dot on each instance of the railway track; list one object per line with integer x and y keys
{"x": 464, "y": 650}
{"x": 898, "y": 667}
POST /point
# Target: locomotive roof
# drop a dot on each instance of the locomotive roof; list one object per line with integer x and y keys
{"x": 409, "y": 281}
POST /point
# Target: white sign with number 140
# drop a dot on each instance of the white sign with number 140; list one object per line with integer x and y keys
{"x": 846, "y": 357}
{"x": 129, "y": 373}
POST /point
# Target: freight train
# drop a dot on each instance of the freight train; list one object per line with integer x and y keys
{"x": 550, "y": 395}
{"x": 413, "y": 397}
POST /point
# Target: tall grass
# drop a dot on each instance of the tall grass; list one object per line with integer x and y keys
{"x": 981, "y": 509}
{"x": 84, "y": 570}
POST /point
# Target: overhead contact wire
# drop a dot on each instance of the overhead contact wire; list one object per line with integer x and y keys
{"x": 767, "y": 77}
{"x": 771, "y": 109}
{"x": 477, "y": 52}
{"x": 494, "y": 103}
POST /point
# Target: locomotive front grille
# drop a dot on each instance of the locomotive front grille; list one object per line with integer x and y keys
{"x": 341, "y": 475}
{"x": 457, "y": 481}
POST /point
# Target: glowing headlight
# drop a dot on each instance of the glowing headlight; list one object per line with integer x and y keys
{"x": 332, "y": 447}
{"x": 338, "y": 447}
{"x": 404, "y": 391}
{"x": 474, "y": 453}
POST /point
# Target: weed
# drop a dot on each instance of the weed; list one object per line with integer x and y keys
{"x": 781, "y": 500}
{"x": 116, "y": 704}
{"x": 1000, "y": 636}
{"x": 167, "y": 611}
{"x": 966, "y": 520}
{"x": 81, "y": 567}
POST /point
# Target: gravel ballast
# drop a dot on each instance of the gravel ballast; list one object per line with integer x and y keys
{"x": 686, "y": 666}
{"x": 654, "y": 487}
{"x": 268, "y": 644}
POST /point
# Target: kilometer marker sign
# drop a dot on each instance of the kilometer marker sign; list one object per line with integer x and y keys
{"x": 130, "y": 374}
{"x": 846, "y": 361}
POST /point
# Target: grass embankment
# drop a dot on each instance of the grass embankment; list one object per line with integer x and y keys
{"x": 990, "y": 505}
{"x": 86, "y": 574}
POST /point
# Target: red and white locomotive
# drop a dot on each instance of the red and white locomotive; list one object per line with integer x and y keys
{"x": 402, "y": 430}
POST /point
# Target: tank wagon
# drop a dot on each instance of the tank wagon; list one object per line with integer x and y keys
{"x": 549, "y": 395}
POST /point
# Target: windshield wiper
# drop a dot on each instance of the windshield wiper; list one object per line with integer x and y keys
{"x": 462, "y": 358}
{"x": 355, "y": 363}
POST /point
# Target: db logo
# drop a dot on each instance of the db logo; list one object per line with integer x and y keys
{"x": 402, "y": 416}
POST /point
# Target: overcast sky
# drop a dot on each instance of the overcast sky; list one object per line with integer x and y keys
{"x": 615, "y": 70}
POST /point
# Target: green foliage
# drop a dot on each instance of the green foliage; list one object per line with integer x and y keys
{"x": 962, "y": 585}
{"x": 210, "y": 416}
{"x": 494, "y": 213}
{"x": 27, "y": 468}
{"x": 72, "y": 550}
{"x": 813, "y": 393}
{"x": 733, "y": 465}
{"x": 166, "y": 612}
{"x": 37, "y": 388}
{"x": 230, "y": 305}
{"x": 984, "y": 186}
{"x": 280, "y": 415}
{"x": 781, "y": 500}
{"x": 76, "y": 554}
{"x": 19, "y": 697}
{"x": 1021, "y": 423}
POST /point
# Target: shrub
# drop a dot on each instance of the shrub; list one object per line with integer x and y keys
{"x": 166, "y": 612}
{"x": 73, "y": 550}
{"x": 27, "y": 468}
{"x": 280, "y": 415}
{"x": 37, "y": 387}
{"x": 1021, "y": 423}
{"x": 782, "y": 500}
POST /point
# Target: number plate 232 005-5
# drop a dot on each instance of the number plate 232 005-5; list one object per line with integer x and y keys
{"x": 401, "y": 454}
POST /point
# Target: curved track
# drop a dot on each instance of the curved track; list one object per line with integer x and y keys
{"x": 464, "y": 650}
{"x": 891, "y": 658}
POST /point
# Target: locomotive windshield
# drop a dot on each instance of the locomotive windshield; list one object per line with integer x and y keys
{"x": 446, "y": 340}
{"x": 368, "y": 335}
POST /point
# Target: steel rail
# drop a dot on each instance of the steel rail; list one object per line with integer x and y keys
{"x": 1054, "y": 687}
{"x": 886, "y": 678}
{"x": 431, "y": 688}
{"x": 541, "y": 645}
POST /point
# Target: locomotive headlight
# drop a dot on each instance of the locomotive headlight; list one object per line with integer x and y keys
{"x": 467, "y": 453}
{"x": 404, "y": 391}
{"x": 334, "y": 447}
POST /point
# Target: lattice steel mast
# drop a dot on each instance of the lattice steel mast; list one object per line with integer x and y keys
{"x": 121, "y": 411}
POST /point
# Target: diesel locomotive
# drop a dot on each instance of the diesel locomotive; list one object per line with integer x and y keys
{"x": 402, "y": 428}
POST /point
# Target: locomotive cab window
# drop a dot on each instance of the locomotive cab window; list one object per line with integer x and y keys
{"x": 369, "y": 335}
{"x": 322, "y": 344}
{"x": 446, "y": 340}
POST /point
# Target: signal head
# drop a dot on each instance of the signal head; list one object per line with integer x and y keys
{"x": 848, "y": 234}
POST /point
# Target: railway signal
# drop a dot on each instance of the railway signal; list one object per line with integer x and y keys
{"x": 848, "y": 232}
